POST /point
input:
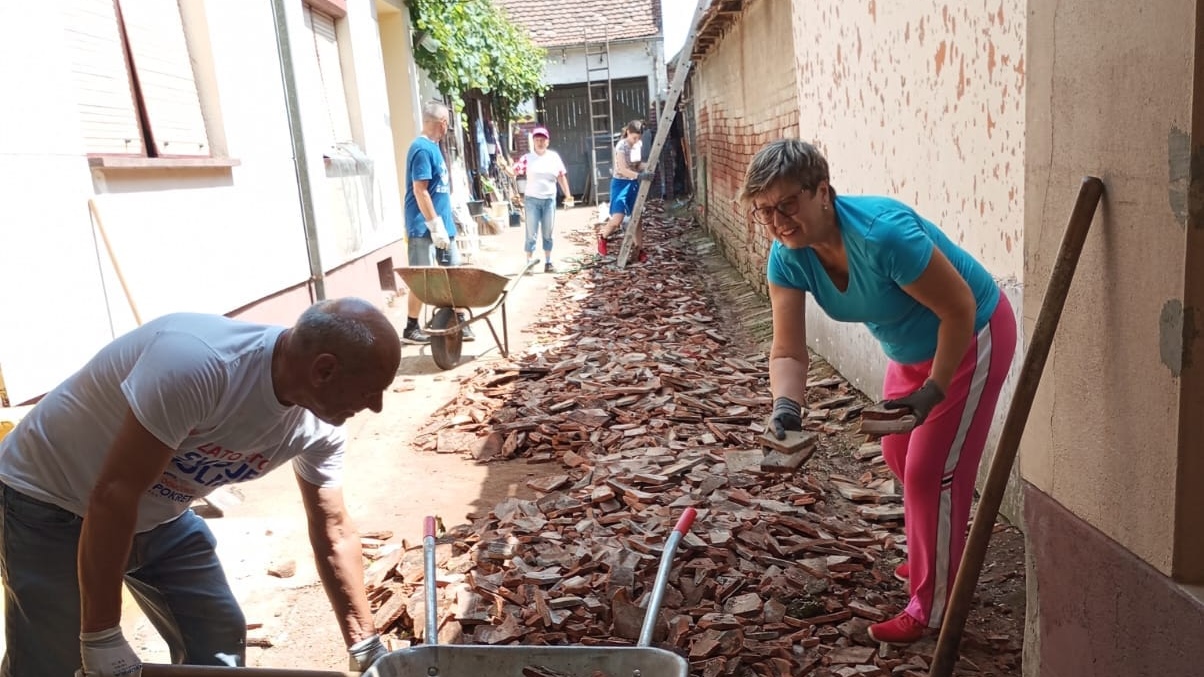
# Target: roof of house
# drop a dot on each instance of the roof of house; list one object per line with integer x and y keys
{"x": 562, "y": 23}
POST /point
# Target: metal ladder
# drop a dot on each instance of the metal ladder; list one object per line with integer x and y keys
{"x": 681, "y": 69}
{"x": 601, "y": 111}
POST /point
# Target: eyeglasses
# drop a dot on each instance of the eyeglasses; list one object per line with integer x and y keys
{"x": 788, "y": 206}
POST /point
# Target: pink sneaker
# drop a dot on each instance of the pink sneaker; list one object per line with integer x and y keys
{"x": 903, "y": 572}
{"x": 902, "y": 629}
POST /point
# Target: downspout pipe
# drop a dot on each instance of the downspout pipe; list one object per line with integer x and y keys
{"x": 317, "y": 276}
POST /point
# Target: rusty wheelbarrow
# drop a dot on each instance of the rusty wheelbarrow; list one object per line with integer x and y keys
{"x": 439, "y": 660}
{"x": 448, "y": 288}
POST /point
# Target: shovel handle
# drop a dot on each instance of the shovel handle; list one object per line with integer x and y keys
{"x": 159, "y": 670}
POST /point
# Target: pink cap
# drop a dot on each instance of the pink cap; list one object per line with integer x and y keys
{"x": 540, "y": 131}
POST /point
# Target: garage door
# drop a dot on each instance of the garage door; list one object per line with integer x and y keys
{"x": 566, "y": 115}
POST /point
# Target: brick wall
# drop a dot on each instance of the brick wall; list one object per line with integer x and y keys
{"x": 744, "y": 94}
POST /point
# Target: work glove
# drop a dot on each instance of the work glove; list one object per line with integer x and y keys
{"x": 438, "y": 233}
{"x": 646, "y": 175}
{"x": 569, "y": 202}
{"x": 921, "y": 402}
{"x": 366, "y": 652}
{"x": 787, "y": 415}
{"x": 107, "y": 654}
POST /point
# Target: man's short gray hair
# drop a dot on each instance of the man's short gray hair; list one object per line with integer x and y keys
{"x": 434, "y": 111}
{"x": 784, "y": 159}
{"x": 338, "y": 326}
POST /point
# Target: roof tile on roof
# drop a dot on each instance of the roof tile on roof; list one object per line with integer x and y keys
{"x": 561, "y": 23}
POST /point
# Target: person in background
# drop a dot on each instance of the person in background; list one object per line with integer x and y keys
{"x": 625, "y": 185}
{"x": 430, "y": 224}
{"x": 946, "y": 328}
{"x": 544, "y": 170}
{"x": 96, "y": 483}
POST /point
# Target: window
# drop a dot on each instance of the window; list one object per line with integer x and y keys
{"x": 137, "y": 92}
{"x": 320, "y": 48}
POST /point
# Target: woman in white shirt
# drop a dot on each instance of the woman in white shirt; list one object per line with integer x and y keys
{"x": 543, "y": 169}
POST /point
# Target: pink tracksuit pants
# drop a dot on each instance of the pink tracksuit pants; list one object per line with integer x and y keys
{"x": 938, "y": 461}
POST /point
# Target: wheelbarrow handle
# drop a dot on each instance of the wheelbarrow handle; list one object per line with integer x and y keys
{"x": 159, "y": 670}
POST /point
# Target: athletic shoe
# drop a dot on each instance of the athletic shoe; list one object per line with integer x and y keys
{"x": 601, "y": 246}
{"x": 902, "y": 629}
{"x": 903, "y": 572}
{"x": 548, "y": 268}
{"x": 465, "y": 331}
{"x": 415, "y": 336}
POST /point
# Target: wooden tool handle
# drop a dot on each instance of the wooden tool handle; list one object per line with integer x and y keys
{"x": 1090, "y": 192}
{"x": 157, "y": 670}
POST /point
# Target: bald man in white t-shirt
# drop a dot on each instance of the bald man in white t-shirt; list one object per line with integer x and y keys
{"x": 97, "y": 480}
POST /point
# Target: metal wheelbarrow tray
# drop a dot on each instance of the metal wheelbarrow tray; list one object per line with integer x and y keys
{"x": 448, "y": 288}
{"x": 456, "y": 660}
{"x": 472, "y": 660}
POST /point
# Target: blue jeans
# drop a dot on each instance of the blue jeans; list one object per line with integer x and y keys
{"x": 173, "y": 573}
{"x": 541, "y": 215}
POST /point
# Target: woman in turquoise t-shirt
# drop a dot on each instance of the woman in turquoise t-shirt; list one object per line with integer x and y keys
{"x": 947, "y": 330}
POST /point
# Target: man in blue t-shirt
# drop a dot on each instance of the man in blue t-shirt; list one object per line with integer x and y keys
{"x": 429, "y": 222}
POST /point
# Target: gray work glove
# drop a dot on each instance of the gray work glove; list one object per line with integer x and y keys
{"x": 365, "y": 652}
{"x": 787, "y": 415}
{"x": 646, "y": 175}
{"x": 921, "y": 402}
{"x": 439, "y": 234}
{"x": 107, "y": 654}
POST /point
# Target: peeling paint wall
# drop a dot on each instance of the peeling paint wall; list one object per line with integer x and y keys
{"x": 1110, "y": 94}
{"x": 922, "y": 101}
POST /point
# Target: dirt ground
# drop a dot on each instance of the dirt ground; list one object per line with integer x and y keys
{"x": 391, "y": 486}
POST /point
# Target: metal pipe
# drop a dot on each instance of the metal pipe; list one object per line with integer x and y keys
{"x": 662, "y": 575}
{"x": 288, "y": 75}
{"x": 429, "y": 584}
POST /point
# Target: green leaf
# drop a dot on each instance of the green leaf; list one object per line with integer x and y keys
{"x": 479, "y": 48}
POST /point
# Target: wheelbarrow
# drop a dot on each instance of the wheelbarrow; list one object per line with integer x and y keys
{"x": 448, "y": 288}
{"x": 436, "y": 660}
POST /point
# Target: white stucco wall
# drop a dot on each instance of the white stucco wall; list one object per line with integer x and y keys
{"x": 628, "y": 59}
{"x": 209, "y": 240}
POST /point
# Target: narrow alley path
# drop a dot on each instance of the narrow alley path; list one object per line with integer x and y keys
{"x": 644, "y": 395}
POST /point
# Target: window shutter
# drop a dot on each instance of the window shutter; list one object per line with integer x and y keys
{"x": 155, "y": 34}
{"x": 330, "y": 70}
{"x": 108, "y": 116}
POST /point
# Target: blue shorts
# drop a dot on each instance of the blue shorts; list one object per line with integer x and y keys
{"x": 623, "y": 193}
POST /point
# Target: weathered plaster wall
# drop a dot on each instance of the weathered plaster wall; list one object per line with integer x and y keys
{"x": 1110, "y": 95}
{"x": 922, "y": 101}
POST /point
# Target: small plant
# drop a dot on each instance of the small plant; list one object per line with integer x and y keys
{"x": 488, "y": 186}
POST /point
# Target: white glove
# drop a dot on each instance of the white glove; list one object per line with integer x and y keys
{"x": 107, "y": 654}
{"x": 365, "y": 652}
{"x": 569, "y": 202}
{"x": 438, "y": 233}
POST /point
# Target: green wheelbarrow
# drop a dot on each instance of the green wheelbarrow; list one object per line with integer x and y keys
{"x": 447, "y": 288}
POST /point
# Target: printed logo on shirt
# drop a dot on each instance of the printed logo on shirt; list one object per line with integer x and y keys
{"x": 208, "y": 466}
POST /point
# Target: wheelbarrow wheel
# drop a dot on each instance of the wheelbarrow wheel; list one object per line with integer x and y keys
{"x": 445, "y": 348}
